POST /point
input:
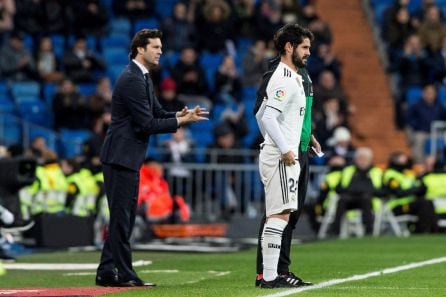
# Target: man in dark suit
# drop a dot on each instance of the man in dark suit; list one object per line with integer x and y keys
{"x": 136, "y": 114}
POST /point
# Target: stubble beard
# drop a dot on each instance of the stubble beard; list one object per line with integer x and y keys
{"x": 298, "y": 62}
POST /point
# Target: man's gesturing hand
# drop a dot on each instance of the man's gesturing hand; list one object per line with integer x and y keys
{"x": 197, "y": 114}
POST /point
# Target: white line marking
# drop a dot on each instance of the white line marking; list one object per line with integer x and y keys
{"x": 9, "y": 292}
{"x": 358, "y": 277}
{"x": 160, "y": 271}
{"x": 212, "y": 272}
{"x": 62, "y": 266}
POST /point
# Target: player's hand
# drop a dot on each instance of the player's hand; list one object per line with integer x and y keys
{"x": 289, "y": 159}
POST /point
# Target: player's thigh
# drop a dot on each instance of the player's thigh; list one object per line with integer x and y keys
{"x": 282, "y": 189}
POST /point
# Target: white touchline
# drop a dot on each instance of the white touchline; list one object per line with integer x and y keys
{"x": 358, "y": 277}
{"x": 62, "y": 266}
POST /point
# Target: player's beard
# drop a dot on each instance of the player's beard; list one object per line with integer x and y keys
{"x": 297, "y": 61}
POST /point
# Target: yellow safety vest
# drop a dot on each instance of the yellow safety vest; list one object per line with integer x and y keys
{"x": 397, "y": 179}
{"x": 85, "y": 201}
{"x": 375, "y": 175}
{"x": 435, "y": 183}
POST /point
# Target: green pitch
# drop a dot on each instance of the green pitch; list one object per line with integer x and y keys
{"x": 232, "y": 274}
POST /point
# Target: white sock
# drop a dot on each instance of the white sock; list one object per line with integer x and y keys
{"x": 272, "y": 238}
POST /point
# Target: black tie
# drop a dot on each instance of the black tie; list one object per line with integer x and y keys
{"x": 149, "y": 85}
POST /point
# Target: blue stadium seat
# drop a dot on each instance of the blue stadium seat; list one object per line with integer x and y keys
{"x": 49, "y": 135}
{"x": 442, "y": 95}
{"x": 170, "y": 59}
{"x": 115, "y": 55}
{"x": 6, "y": 105}
{"x": 27, "y": 98}
{"x": 217, "y": 110}
{"x": 210, "y": 63}
{"x": 30, "y": 88}
{"x": 249, "y": 93}
{"x": 87, "y": 89}
{"x": 150, "y": 23}
{"x": 115, "y": 40}
{"x": 58, "y": 44}
{"x": 36, "y": 112}
{"x": 120, "y": 26}
{"x": 114, "y": 71}
{"x": 12, "y": 132}
{"x": 379, "y": 14}
{"x": 4, "y": 89}
{"x": 201, "y": 127}
{"x": 440, "y": 143}
{"x": 72, "y": 141}
{"x": 49, "y": 90}
{"x": 413, "y": 95}
{"x": 165, "y": 8}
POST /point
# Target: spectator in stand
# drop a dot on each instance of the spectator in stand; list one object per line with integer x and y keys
{"x": 244, "y": 13}
{"x": 179, "y": 150}
{"x": 236, "y": 120}
{"x": 214, "y": 23}
{"x": 432, "y": 31}
{"x": 178, "y": 31}
{"x": 38, "y": 149}
{"x": 228, "y": 85}
{"x": 91, "y": 17}
{"x": 47, "y": 63}
{"x": 324, "y": 59}
{"x": 7, "y": 12}
{"x": 327, "y": 121}
{"x": 80, "y": 62}
{"x": 267, "y": 19}
{"x": 328, "y": 87}
{"x": 255, "y": 64}
{"x": 414, "y": 72}
{"x": 189, "y": 75}
{"x": 420, "y": 14}
{"x": 396, "y": 31}
{"x": 59, "y": 16}
{"x": 134, "y": 9}
{"x": 16, "y": 62}
{"x": 340, "y": 144}
{"x": 100, "y": 102}
{"x": 322, "y": 33}
{"x": 399, "y": 27}
{"x": 220, "y": 152}
{"x": 168, "y": 97}
{"x": 307, "y": 14}
{"x": 69, "y": 107}
{"x": 30, "y": 16}
{"x": 438, "y": 65}
{"x": 420, "y": 117}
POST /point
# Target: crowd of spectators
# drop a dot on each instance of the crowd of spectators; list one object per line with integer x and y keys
{"x": 415, "y": 38}
{"x": 215, "y": 53}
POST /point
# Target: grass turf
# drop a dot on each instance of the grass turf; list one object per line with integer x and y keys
{"x": 233, "y": 274}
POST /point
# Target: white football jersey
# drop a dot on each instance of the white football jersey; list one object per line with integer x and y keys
{"x": 286, "y": 94}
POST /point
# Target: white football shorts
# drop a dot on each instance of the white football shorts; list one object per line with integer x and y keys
{"x": 280, "y": 182}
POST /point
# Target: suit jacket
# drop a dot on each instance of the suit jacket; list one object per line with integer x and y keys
{"x": 136, "y": 114}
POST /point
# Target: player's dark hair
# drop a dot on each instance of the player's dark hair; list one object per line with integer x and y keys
{"x": 292, "y": 33}
{"x": 141, "y": 39}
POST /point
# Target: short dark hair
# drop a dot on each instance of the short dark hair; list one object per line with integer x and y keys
{"x": 141, "y": 39}
{"x": 292, "y": 33}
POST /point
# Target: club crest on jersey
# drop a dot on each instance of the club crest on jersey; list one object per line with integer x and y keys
{"x": 280, "y": 94}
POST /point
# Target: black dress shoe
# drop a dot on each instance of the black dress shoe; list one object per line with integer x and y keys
{"x": 107, "y": 280}
{"x": 134, "y": 283}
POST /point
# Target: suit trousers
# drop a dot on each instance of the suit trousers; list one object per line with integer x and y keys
{"x": 121, "y": 187}
{"x": 287, "y": 235}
